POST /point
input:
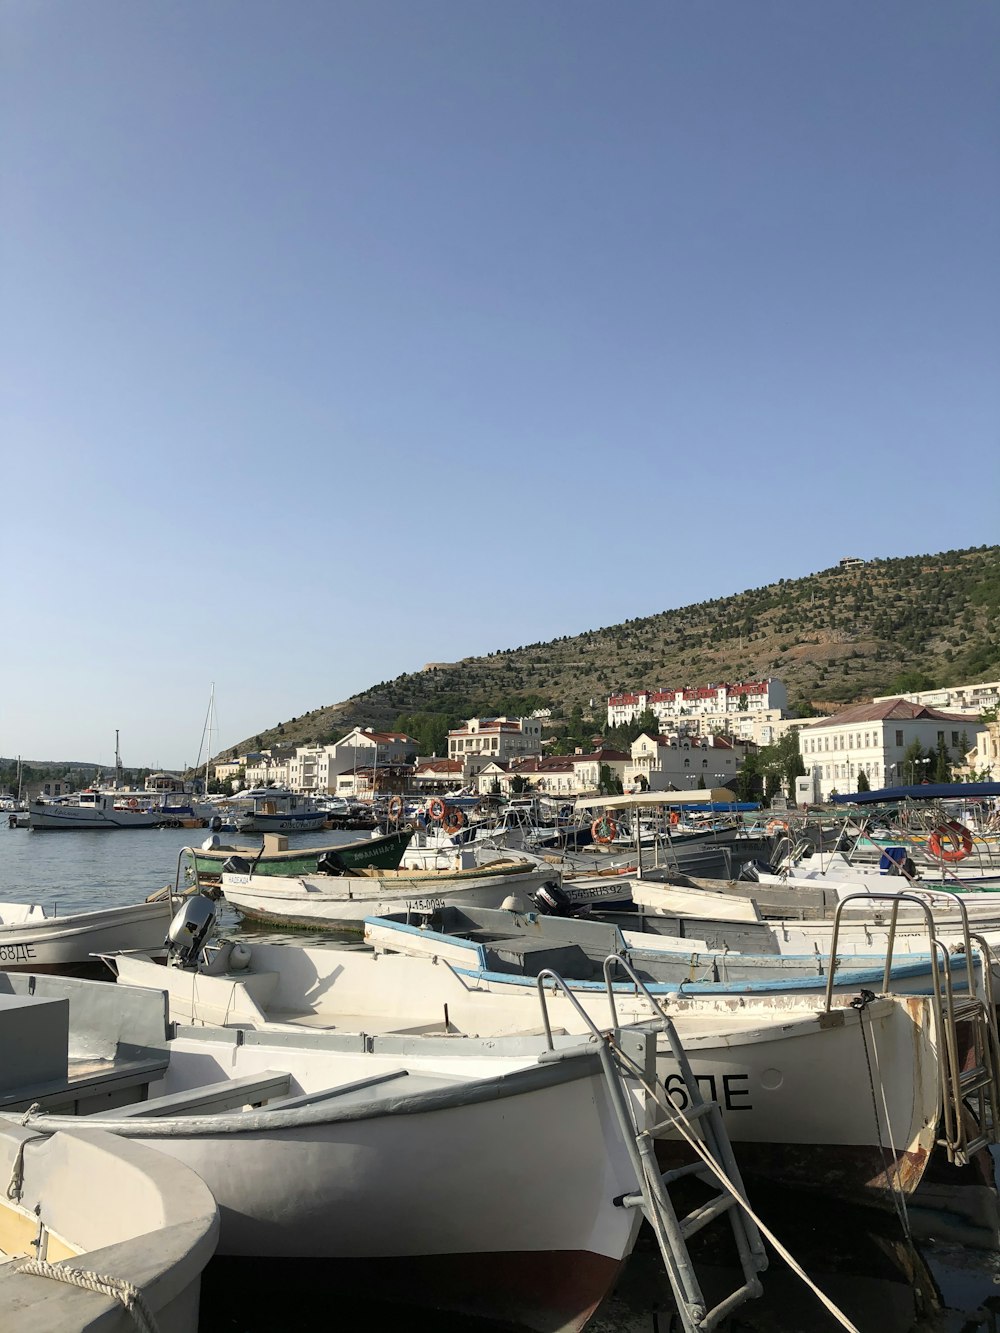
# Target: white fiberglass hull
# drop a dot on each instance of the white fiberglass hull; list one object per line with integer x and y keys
{"x": 309, "y": 823}
{"x": 92, "y": 818}
{"x": 792, "y": 1080}
{"x": 40, "y": 943}
{"x": 493, "y": 1193}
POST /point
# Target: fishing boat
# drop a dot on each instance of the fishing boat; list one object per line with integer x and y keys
{"x": 107, "y": 809}
{"x": 32, "y": 941}
{"x": 784, "y": 1069}
{"x": 272, "y": 810}
{"x": 155, "y": 1231}
{"x": 342, "y": 901}
{"x": 382, "y": 852}
{"x": 460, "y": 1177}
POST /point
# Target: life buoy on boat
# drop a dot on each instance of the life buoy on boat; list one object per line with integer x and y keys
{"x": 133, "y": 804}
{"x": 436, "y": 808}
{"x": 675, "y": 819}
{"x": 951, "y": 841}
{"x": 604, "y": 829}
{"x": 455, "y": 820}
{"x": 778, "y": 825}
{"x": 395, "y": 806}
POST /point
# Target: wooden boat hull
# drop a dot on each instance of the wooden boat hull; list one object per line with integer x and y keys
{"x": 342, "y": 903}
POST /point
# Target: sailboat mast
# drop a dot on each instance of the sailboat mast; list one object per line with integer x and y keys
{"x": 118, "y": 762}
{"x": 208, "y": 733}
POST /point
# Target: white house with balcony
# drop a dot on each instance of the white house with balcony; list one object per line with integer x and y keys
{"x": 680, "y": 762}
{"x": 873, "y": 739}
{"x": 499, "y": 738}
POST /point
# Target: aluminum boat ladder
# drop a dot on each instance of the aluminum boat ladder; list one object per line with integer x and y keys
{"x": 967, "y": 1069}
{"x": 629, "y": 1062}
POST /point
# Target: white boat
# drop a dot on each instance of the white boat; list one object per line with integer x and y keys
{"x": 272, "y": 810}
{"x": 31, "y": 941}
{"x": 785, "y": 1072}
{"x": 343, "y": 901}
{"x": 464, "y": 1177}
{"x": 108, "y": 809}
{"x": 156, "y": 1230}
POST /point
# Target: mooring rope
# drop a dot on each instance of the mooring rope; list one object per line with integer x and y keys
{"x": 681, "y": 1123}
{"x": 116, "y": 1288}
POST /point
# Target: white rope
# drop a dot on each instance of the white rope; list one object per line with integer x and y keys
{"x": 895, "y": 1182}
{"x": 116, "y": 1288}
{"x": 681, "y": 1123}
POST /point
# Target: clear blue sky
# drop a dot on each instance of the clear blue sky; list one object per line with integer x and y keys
{"x": 340, "y": 337}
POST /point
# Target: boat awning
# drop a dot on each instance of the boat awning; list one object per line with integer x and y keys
{"x": 926, "y": 791}
{"x": 641, "y": 799}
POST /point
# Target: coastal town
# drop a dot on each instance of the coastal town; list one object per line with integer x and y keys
{"x": 698, "y": 737}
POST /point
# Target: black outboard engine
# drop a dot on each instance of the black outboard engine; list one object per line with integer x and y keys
{"x": 236, "y": 865}
{"x": 552, "y": 901}
{"x": 330, "y": 863}
{"x": 215, "y": 823}
{"x": 752, "y": 870}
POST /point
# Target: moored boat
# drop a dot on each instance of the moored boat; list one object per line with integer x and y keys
{"x": 155, "y": 1232}
{"x": 31, "y": 941}
{"x": 272, "y": 810}
{"x": 383, "y": 852}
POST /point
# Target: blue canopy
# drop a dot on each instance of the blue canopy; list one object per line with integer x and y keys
{"x": 926, "y": 791}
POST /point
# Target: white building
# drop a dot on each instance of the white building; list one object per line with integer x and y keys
{"x": 680, "y": 762}
{"x": 969, "y": 699}
{"x": 704, "y": 705}
{"x": 267, "y": 770}
{"x": 873, "y": 739}
{"x": 501, "y": 738}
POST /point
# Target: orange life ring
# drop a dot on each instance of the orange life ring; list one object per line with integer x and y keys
{"x": 604, "y": 829}
{"x": 395, "y": 806}
{"x": 951, "y": 841}
{"x": 133, "y": 804}
{"x": 675, "y": 819}
{"x": 775, "y": 824}
{"x": 436, "y": 808}
{"x": 456, "y": 819}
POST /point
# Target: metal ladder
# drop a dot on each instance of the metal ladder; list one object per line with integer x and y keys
{"x": 703, "y": 1121}
{"x": 975, "y": 1089}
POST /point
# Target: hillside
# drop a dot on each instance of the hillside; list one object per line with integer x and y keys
{"x": 835, "y": 637}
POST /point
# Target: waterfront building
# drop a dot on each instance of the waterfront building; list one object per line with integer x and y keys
{"x": 873, "y": 739}
{"x": 680, "y": 762}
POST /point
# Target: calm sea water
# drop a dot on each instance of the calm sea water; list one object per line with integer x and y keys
{"x": 858, "y": 1258}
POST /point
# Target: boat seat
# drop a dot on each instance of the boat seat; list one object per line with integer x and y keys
{"x": 211, "y": 1097}
{"x": 325, "y": 1094}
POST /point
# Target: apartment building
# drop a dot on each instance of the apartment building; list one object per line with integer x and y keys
{"x": 703, "y": 706}
{"x": 982, "y": 697}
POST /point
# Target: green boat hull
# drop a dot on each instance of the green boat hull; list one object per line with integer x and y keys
{"x": 382, "y": 853}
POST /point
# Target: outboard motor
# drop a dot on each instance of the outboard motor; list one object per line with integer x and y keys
{"x": 236, "y": 865}
{"x": 215, "y": 823}
{"x": 552, "y": 901}
{"x": 752, "y": 870}
{"x": 190, "y": 928}
{"x": 330, "y": 863}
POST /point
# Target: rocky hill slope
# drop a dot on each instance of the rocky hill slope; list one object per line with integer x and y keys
{"x": 835, "y": 637}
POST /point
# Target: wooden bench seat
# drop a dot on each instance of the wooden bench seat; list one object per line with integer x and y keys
{"x": 212, "y": 1097}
